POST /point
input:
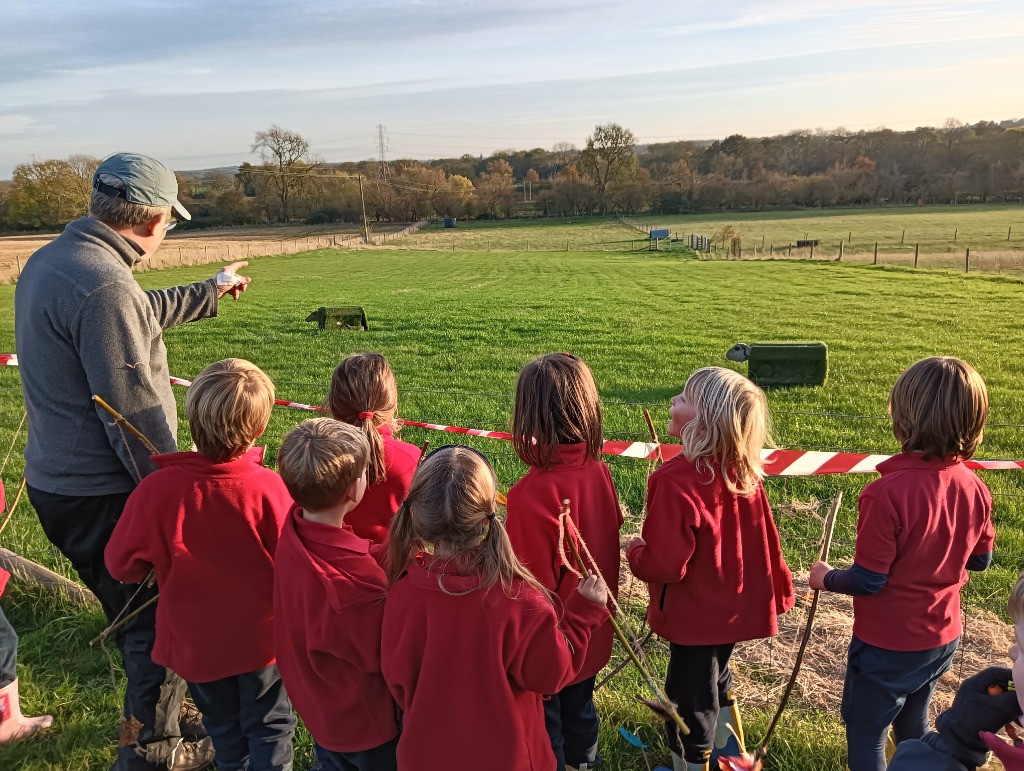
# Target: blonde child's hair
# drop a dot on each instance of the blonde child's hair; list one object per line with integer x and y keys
{"x": 364, "y": 385}
{"x": 452, "y": 506}
{"x": 730, "y": 428}
{"x": 556, "y": 403}
{"x": 939, "y": 407}
{"x": 319, "y": 460}
{"x": 1016, "y": 604}
{"x": 228, "y": 406}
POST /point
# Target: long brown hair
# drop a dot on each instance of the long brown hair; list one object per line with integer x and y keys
{"x": 939, "y": 407}
{"x": 556, "y": 403}
{"x": 730, "y": 428}
{"x": 363, "y": 384}
{"x": 452, "y": 506}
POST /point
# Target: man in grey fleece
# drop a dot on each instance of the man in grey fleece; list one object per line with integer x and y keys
{"x": 83, "y": 326}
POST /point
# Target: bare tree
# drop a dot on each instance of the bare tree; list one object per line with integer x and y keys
{"x": 287, "y": 163}
{"x": 609, "y": 158}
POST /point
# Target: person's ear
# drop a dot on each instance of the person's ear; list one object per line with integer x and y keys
{"x": 154, "y": 225}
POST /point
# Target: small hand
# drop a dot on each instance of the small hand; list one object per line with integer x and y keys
{"x": 594, "y": 589}
{"x": 635, "y": 542}
{"x": 818, "y": 572}
{"x": 229, "y": 282}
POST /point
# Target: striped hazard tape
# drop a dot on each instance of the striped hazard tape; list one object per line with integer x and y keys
{"x": 786, "y": 463}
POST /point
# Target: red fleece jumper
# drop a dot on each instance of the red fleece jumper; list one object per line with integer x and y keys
{"x": 713, "y": 561}
{"x": 371, "y": 519}
{"x": 328, "y": 608}
{"x": 919, "y": 524}
{"x": 210, "y": 531}
{"x": 534, "y": 506}
{"x": 468, "y": 668}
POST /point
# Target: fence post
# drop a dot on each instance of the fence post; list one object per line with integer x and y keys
{"x": 527, "y": 244}
{"x": 840, "y": 252}
{"x": 181, "y": 259}
{"x": 790, "y": 252}
{"x": 876, "y": 254}
{"x": 762, "y": 240}
{"x": 771, "y": 250}
{"x": 1008, "y": 231}
{"x": 812, "y": 250}
{"x": 567, "y": 244}
{"x": 967, "y": 261}
{"x": 955, "y": 231}
{"x": 917, "y": 249}
{"x": 903, "y": 236}
{"x": 16, "y": 257}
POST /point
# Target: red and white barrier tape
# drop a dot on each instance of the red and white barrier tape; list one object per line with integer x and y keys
{"x": 789, "y": 463}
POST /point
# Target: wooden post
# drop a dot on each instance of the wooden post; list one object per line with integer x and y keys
{"x": 771, "y": 250}
{"x": 967, "y": 261}
{"x": 812, "y": 250}
{"x": 902, "y": 237}
{"x": 180, "y": 258}
{"x": 527, "y": 244}
{"x": 917, "y": 249}
{"x": 876, "y": 254}
{"x": 567, "y": 244}
{"x": 53, "y": 583}
{"x": 362, "y": 203}
{"x": 1008, "y": 231}
{"x": 955, "y": 231}
{"x": 762, "y": 240}
{"x": 849, "y": 236}
{"x": 790, "y": 252}
{"x": 840, "y": 252}
{"x": 16, "y": 257}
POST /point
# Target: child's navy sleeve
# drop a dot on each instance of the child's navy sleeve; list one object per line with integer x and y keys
{"x": 856, "y": 581}
{"x": 979, "y": 562}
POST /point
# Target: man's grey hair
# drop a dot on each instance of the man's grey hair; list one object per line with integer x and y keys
{"x": 117, "y": 212}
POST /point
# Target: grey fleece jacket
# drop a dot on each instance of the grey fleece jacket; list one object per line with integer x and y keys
{"x": 83, "y": 326}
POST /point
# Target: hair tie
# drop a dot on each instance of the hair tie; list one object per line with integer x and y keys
{"x": 366, "y": 416}
{"x": 490, "y": 517}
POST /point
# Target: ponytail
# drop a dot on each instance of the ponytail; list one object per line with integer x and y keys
{"x": 402, "y": 543}
{"x": 364, "y": 394}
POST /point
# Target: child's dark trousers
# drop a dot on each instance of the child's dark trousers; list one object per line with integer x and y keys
{"x": 380, "y": 758}
{"x": 884, "y": 688}
{"x": 249, "y": 718}
{"x": 697, "y": 681}
{"x": 572, "y": 724}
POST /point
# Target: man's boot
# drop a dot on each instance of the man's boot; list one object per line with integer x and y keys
{"x": 729, "y": 731}
{"x": 191, "y": 755}
{"x": 13, "y": 725}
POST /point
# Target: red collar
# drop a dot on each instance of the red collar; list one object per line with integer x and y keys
{"x": 430, "y": 572}
{"x": 328, "y": 535}
{"x": 199, "y": 462}
{"x": 568, "y": 456}
{"x": 914, "y": 460}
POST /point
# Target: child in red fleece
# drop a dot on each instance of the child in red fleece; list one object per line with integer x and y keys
{"x": 711, "y": 555}
{"x": 364, "y": 394}
{"x": 470, "y": 639}
{"x": 207, "y": 523}
{"x": 329, "y": 602}
{"x": 557, "y": 430}
{"x": 920, "y": 528}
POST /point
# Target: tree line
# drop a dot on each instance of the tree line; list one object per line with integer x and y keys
{"x": 611, "y": 173}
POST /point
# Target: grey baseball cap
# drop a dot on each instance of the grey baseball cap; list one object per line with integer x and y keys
{"x": 146, "y": 181}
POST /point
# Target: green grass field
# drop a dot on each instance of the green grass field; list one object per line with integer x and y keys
{"x": 457, "y": 326}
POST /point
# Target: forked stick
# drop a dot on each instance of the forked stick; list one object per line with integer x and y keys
{"x": 663, "y": 706}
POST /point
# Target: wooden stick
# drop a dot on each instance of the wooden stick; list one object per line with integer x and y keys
{"x": 654, "y": 436}
{"x": 106, "y": 633}
{"x": 423, "y": 451}
{"x": 830, "y": 525}
{"x": 44, "y": 577}
{"x": 122, "y": 420}
{"x": 663, "y": 700}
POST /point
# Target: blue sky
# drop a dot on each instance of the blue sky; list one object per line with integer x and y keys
{"x": 191, "y": 81}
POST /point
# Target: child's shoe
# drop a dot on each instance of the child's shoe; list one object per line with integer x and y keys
{"x": 13, "y": 725}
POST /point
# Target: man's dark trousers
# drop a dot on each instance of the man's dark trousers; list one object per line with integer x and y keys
{"x": 80, "y": 527}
